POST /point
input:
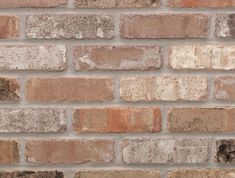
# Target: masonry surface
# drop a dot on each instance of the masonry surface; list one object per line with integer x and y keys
{"x": 117, "y": 89}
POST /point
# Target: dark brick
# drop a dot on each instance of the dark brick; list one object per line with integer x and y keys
{"x": 225, "y": 151}
{"x": 9, "y": 89}
{"x": 32, "y": 174}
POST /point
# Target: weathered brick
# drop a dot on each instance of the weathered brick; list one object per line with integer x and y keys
{"x": 70, "y": 26}
{"x": 9, "y": 89}
{"x": 117, "y": 3}
{"x": 146, "y": 173}
{"x": 165, "y": 88}
{"x": 9, "y": 26}
{"x": 69, "y": 89}
{"x": 9, "y": 152}
{"x": 165, "y": 150}
{"x": 225, "y": 88}
{"x": 201, "y": 3}
{"x": 225, "y": 26}
{"x": 225, "y": 151}
{"x": 31, "y": 3}
{"x": 69, "y": 151}
{"x": 33, "y": 57}
{"x": 201, "y": 119}
{"x": 160, "y": 26}
{"x": 32, "y": 120}
{"x": 117, "y": 57}
{"x": 117, "y": 120}
{"x": 220, "y": 57}
{"x": 31, "y": 174}
{"x": 202, "y": 173}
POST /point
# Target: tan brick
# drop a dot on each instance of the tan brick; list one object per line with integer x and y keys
{"x": 117, "y": 120}
{"x": 201, "y": 119}
{"x": 69, "y": 151}
{"x": 165, "y": 150}
{"x": 117, "y": 57}
{"x": 32, "y": 120}
{"x": 199, "y": 173}
{"x": 165, "y": 88}
{"x": 225, "y": 151}
{"x": 146, "y": 173}
{"x": 211, "y": 57}
{"x": 160, "y": 26}
{"x": 9, "y": 26}
{"x": 201, "y": 3}
{"x": 31, "y": 174}
{"x": 225, "y": 88}
{"x": 9, "y": 89}
{"x": 9, "y": 151}
{"x": 69, "y": 26}
{"x": 33, "y": 57}
{"x": 117, "y": 3}
{"x": 225, "y": 26}
{"x": 31, "y": 3}
{"x": 69, "y": 89}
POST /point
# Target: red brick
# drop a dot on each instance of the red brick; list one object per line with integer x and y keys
{"x": 69, "y": 89}
{"x": 9, "y": 27}
{"x": 9, "y": 151}
{"x": 117, "y": 57}
{"x": 69, "y": 151}
{"x": 225, "y": 88}
{"x": 160, "y": 26}
{"x": 117, "y": 120}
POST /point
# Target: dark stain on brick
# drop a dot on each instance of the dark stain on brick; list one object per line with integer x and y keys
{"x": 225, "y": 151}
{"x": 232, "y": 25}
{"x": 8, "y": 90}
{"x": 32, "y": 174}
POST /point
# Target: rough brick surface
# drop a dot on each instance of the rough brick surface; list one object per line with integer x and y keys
{"x": 9, "y": 152}
{"x": 199, "y": 173}
{"x": 32, "y": 120}
{"x": 117, "y": 120}
{"x": 145, "y": 173}
{"x": 9, "y": 89}
{"x": 165, "y": 88}
{"x": 207, "y": 57}
{"x": 225, "y": 151}
{"x": 69, "y": 151}
{"x": 165, "y": 150}
{"x": 225, "y": 25}
{"x": 31, "y": 3}
{"x": 69, "y": 26}
{"x": 160, "y": 26}
{"x": 31, "y": 174}
{"x": 201, "y": 119}
{"x": 33, "y": 57}
{"x": 117, "y": 57}
{"x": 225, "y": 88}
{"x": 202, "y": 3}
{"x": 117, "y": 3}
{"x": 69, "y": 89}
{"x": 9, "y": 26}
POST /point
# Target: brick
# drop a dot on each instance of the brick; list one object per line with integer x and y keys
{"x": 117, "y": 3}
{"x": 201, "y": 119}
{"x": 225, "y": 88}
{"x": 225, "y": 151}
{"x": 201, "y": 3}
{"x": 160, "y": 26}
{"x": 9, "y": 152}
{"x": 32, "y": 3}
{"x": 165, "y": 150}
{"x": 164, "y": 88}
{"x": 32, "y": 120}
{"x": 117, "y": 120}
{"x": 70, "y": 26}
{"x": 117, "y": 57}
{"x": 69, "y": 151}
{"x": 199, "y": 173}
{"x": 33, "y": 57}
{"x": 209, "y": 57}
{"x": 31, "y": 174}
{"x": 225, "y": 26}
{"x": 9, "y": 27}
{"x": 9, "y": 89}
{"x": 69, "y": 89}
{"x": 146, "y": 173}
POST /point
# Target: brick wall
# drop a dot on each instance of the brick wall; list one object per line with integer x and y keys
{"x": 117, "y": 88}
